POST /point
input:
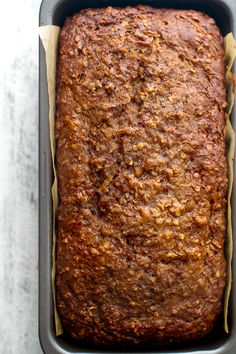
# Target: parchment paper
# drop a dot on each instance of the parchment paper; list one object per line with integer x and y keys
{"x": 49, "y": 37}
{"x": 230, "y": 55}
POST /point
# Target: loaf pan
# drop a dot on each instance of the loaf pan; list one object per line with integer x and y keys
{"x": 54, "y": 12}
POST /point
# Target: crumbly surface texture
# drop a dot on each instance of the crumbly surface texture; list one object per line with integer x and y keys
{"x": 140, "y": 134}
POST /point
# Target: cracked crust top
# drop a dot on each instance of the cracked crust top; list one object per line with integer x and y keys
{"x": 140, "y": 131}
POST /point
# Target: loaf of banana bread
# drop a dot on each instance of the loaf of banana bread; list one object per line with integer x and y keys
{"x": 140, "y": 134}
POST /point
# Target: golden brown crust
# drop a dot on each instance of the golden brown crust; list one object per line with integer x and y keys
{"x": 140, "y": 131}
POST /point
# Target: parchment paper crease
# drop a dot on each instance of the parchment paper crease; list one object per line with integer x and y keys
{"x": 49, "y": 37}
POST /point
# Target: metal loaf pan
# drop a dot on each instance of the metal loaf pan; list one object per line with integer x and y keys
{"x": 54, "y": 12}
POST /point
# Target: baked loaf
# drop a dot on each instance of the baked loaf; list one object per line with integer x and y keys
{"x": 140, "y": 132}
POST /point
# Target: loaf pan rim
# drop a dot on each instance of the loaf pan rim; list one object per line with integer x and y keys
{"x": 49, "y": 342}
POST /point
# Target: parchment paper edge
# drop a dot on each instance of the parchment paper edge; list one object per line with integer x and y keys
{"x": 230, "y": 55}
{"x": 49, "y": 37}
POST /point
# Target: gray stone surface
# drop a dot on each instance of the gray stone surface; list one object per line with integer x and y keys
{"x": 18, "y": 177}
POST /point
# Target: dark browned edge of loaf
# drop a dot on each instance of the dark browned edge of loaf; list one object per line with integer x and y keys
{"x": 140, "y": 133}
